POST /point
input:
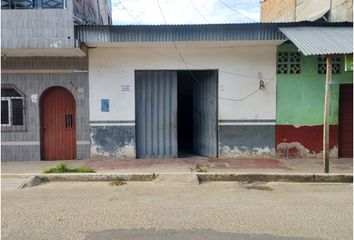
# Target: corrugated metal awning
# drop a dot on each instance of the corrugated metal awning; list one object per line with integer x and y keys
{"x": 321, "y": 40}
{"x": 189, "y": 32}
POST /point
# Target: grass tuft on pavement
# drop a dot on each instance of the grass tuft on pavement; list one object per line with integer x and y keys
{"x": 63, "y": 168}
{"x": 202, "y": 167}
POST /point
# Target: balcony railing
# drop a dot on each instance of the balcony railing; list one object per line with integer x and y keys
{"x": 32, "y": 4}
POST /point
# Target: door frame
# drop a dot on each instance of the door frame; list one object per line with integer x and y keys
{"x": 185, "y": 70}
{"x": 43, "y": 94}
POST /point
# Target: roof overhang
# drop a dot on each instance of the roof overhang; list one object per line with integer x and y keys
{"x": 184, "y": 44}
{"x": 231, "y": 33}
{"x": 321, "y": 40}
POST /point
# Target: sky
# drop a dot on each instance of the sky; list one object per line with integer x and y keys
{"x": 184, "y": 11}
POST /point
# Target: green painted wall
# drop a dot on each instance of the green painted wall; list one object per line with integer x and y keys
{"x": 300, "y": 97}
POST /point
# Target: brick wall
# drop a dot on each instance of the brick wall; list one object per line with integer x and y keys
{"x": 277, "y": 10}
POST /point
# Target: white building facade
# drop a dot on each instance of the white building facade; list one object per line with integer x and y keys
{"x": 234, "y": 114}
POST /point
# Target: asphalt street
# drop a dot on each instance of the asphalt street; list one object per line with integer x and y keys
{"x": 169, "y": 210}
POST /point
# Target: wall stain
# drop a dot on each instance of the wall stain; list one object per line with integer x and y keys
{"x": 113, "y": 141}
{"x": 297, "y": 150}
{"x": 240, "y": 151}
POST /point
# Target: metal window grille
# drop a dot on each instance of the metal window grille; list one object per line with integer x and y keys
{"x": 53, "y": 3}
{"x": 68, "y": 121}
{"x": 322, "y": 65}
{"x": 288, "y": 63}
{"x": 32, "y": 4}
{"x": 12, "y": 110}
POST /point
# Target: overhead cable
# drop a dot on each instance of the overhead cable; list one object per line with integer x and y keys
{"x": 186, "y": 65}
{"x": 194, "y": 64}
{"x": 236, "y": 11}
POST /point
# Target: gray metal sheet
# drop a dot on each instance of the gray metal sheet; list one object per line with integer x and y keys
{"x": 189, "y": 32}
{"x": 205, "y": 113}
{"x": 321, "y": 40}
{"x": 156, "y": 113}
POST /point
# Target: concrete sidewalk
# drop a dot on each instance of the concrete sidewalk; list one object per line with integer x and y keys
{"x": 187, "y": 165}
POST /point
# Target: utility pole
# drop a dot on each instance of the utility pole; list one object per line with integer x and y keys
{"x": 326, "y": 113}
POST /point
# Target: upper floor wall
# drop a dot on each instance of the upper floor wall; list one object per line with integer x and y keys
{"x": 46, "y": 27}
{"x": 306, "y": 10}
{"x": 31, "y": 25}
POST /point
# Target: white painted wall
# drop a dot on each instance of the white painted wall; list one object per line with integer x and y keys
{"x": 112, "y": 67}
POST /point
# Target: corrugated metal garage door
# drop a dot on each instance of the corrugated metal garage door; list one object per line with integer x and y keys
{"x": 205, "y": 113}
{"x": 346, "y": 120}
{"x": 156, "y": 113}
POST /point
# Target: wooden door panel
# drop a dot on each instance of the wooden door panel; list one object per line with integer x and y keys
{"x": 346, "y": 120}
{"x": 58, "y": 135}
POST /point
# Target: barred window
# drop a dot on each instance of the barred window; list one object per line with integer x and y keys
{"x": 322, "y": 65}
{"x": 11, "y": 107}
{"x": 288, "y": 63}
{"x": 32, "y": 4}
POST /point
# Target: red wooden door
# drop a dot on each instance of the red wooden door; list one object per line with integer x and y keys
{"x": 346, "y": 120}
{"x": 58, "y": 125}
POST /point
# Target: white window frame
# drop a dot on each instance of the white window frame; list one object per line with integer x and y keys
{"x": 8, "y": 99}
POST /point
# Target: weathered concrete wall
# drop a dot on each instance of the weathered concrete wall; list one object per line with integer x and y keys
{"x": 111, "y": 74}
{"x": 37, "y": 28}
{"x": 300, "y": 104}
{"x": 302, "y": 10}
{"x": 342, "y": 10}
{"x": 32, "y": 76}
{"x": 94, "y": 11}
{"x": 112, "y": 141}
{"x": 247, "y": 140}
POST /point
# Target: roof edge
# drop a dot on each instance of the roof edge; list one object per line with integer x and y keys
{"x": 273, "y": 24}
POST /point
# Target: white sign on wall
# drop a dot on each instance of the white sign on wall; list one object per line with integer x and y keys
{"x": 125, "y": 88}
{"x": 34, "y": 98}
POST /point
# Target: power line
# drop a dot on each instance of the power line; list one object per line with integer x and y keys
{"x": 197, "y": 10}
{"x": 236, "y": 11}
{"x": 202, "y": 66}
{"x": 249, "y": 95}
{"x": 163, "y": 16}
{"x": 186, "y": 65}
{"x": 132, "y": 16}
{"x": 194, "y": 64}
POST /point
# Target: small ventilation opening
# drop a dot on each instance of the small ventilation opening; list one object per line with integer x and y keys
{"x": 68, "y": 121}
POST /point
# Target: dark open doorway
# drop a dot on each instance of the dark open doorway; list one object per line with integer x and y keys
{"x": 185, "y": 91}
{"x": 197, "y": 113}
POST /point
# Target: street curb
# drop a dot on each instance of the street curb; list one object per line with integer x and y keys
{"x": 96, "y": 177}
{"x": 58, "y": 177}
{"x": 36, "y": 179}
{"x": 202, "y": 177}
{"x": 276, "y": 177}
